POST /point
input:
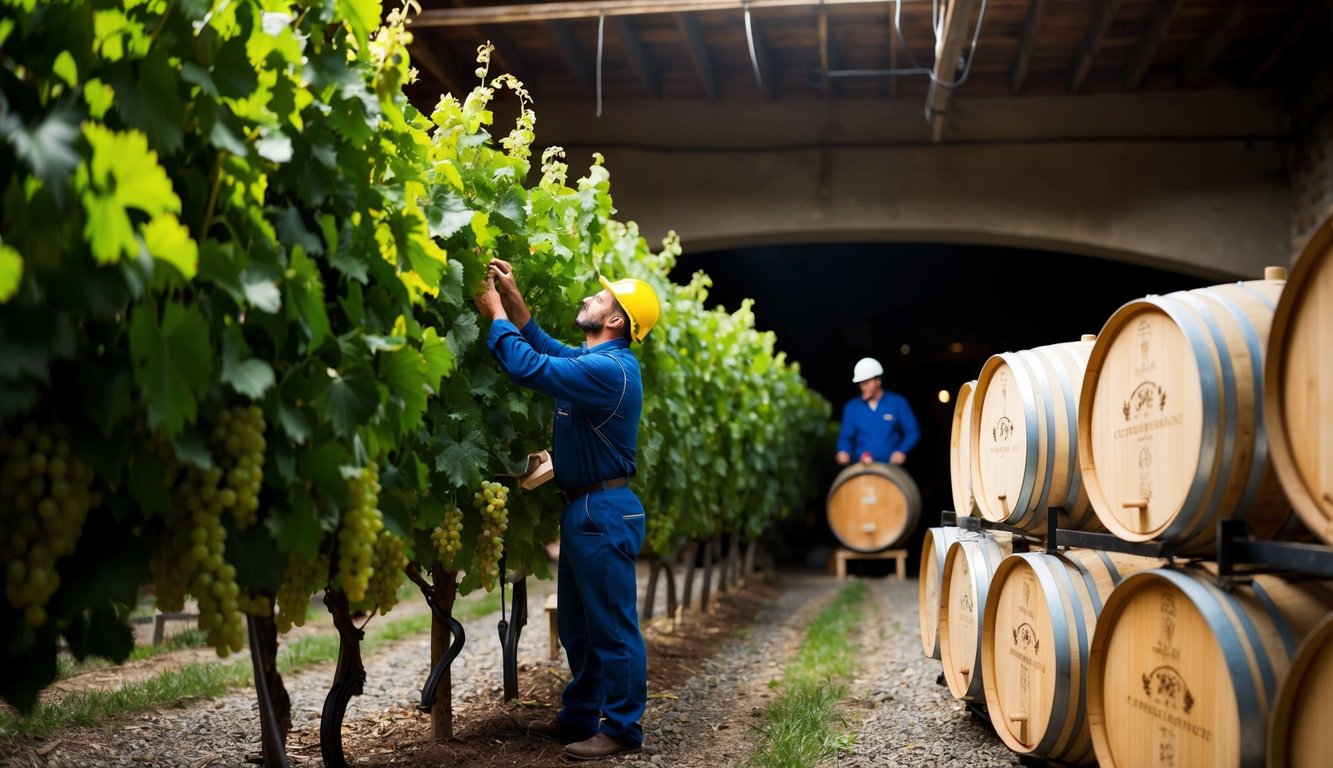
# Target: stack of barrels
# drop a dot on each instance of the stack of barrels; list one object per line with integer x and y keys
{"x": 1187, "y": 409}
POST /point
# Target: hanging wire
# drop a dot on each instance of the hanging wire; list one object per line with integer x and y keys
{"x": 601, "y": 30}
{"x": 749, "y": 38}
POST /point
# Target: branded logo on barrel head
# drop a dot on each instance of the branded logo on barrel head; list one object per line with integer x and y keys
{"x": 1025, "y": 636}
{"x": 1148, "y": 398}
{"x": 1166, "y": 687}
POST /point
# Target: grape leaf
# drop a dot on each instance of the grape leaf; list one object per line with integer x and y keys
{"x": 11, "y": 272}
{"x": 168, "y": 240}
{"x": 173, "y": 363}
{"x": 351, "y": 399}
{"x": 461, "y": 460}
{"x": 252, "y": 377}
{"x": 404, "y": 371}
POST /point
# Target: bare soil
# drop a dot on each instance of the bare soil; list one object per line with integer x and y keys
{"x": 492, "y": 734}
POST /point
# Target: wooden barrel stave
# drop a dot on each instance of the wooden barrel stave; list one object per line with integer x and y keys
{"x": 961, "y": 452}
{"x": 1180, "y": 666}
{"x": 1298, "y": 386}
{"x": 1170, "y": 426}
{"x": 1046, "y": 718}
{"x": 934, "y": 548}
{"x": 1299, "y": 735}
{"x": 968, "y": 566}
{"x": 1024, "y": 427}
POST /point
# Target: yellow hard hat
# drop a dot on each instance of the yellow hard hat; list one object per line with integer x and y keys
{"x": 639, "y": 301}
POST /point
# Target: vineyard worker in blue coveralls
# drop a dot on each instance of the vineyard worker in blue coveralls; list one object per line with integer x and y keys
{"x": 599, "y": 397}
{"x": 879, "y": 425}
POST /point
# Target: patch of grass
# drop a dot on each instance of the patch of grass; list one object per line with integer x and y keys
{"x": 201, "y": 680}
{"x": 798, "y": 730}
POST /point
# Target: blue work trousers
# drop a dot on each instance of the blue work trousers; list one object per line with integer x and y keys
{"x": 598, "y": 616}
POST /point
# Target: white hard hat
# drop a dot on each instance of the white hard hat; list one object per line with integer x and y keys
{"x": 866, "y": 368}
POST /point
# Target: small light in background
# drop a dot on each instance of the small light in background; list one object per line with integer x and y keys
{"x": 905, "y": 349}
{"x": 956, "y": 347}
{"x": 944, "y": 395}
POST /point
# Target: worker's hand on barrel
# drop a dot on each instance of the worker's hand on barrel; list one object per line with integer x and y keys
{"x": 844, "y": 458}
{"x": 898, "y": 457}
{"x": 866, "y": 458}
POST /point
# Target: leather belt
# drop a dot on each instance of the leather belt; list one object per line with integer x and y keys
{"x": 601, "y": 485}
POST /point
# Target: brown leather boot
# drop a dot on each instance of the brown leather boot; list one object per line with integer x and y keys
{"x": 555, "y": 730}
{"x": 597, "y": 747}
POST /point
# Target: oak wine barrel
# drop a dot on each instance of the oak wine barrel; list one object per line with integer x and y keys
{"x": 1182, "y": 670}
{"x": 872, "y": 507}
{"x": 1170, "y": 425}
{"x": 964, "y": 585}
{"x": 1298, "y": 386}
{"x": 934, "y": 548}
{"x": 1024, "y": 431}
{"x": 1040, "y": 616}
{"x": 962, "y": 452}
{"x": 1299, "y": 732}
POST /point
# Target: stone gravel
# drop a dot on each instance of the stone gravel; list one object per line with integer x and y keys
{"x": 899, "y": 714}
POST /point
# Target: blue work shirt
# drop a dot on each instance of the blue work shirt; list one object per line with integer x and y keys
{"x": 890, "y": 426}
{"x": 598, "y": 392}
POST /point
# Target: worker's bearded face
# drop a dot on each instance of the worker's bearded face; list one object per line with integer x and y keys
{"x": 589, "y": 319}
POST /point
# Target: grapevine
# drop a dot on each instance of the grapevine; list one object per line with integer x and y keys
{"x": 448, "y": 536}
{"x": 491, "y": 500}
{"x": 49, "y": 493}
{"x": 239, "y": 437}
{"x": 294, "y": 593}
{"x": 387, "y": 577}
{"x": 356, "y": 538}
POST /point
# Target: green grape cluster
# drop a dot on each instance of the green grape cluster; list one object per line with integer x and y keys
{"x": 212, "y": 580}
{"x": 45, "y": 495}
{"x": 448, "y": 536}
{"x": 388, "y": 575}
{"x": 356, "y": 538}
{"x": 491, "y": 500}
{"x": 294, "y": 593}
{"x": 255, "y": 605}
{"x": 238, "y": 438}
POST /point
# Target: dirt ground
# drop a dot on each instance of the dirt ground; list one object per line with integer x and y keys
{"x": 489, "y": 734}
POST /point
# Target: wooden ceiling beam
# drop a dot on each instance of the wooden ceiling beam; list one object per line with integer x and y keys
{"x": 703, "y": 61}
{"x": 957, "y": 32}
{"x": 1142, "y": 57}
{"x": 1102, "y": 17}
{"x": 1206, "y": 51}
{"x": 464, "y": 16}
{"x": 567, "y": 43}
{"x": 1019, "y": 71}
{"x": 639, "y": 57}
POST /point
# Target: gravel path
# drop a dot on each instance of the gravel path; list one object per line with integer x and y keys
{"x": 901, "y": 716}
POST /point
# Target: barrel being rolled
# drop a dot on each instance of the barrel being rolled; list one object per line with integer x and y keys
{"x": 1171, "y": 431}
{"x": 1040, "y": 616}
{"x": 962, "y": 452}
{"x": 1298, "y": 386}
{"x": 934, "y": 548}
{"x": 1023, "y": 431}
{"x": 1185, "y": 673}
{"x": 968, "y": 566}
{"x": 872, "y": 507}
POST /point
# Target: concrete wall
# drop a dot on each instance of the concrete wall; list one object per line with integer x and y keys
{"x": 1198, "y": 183}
